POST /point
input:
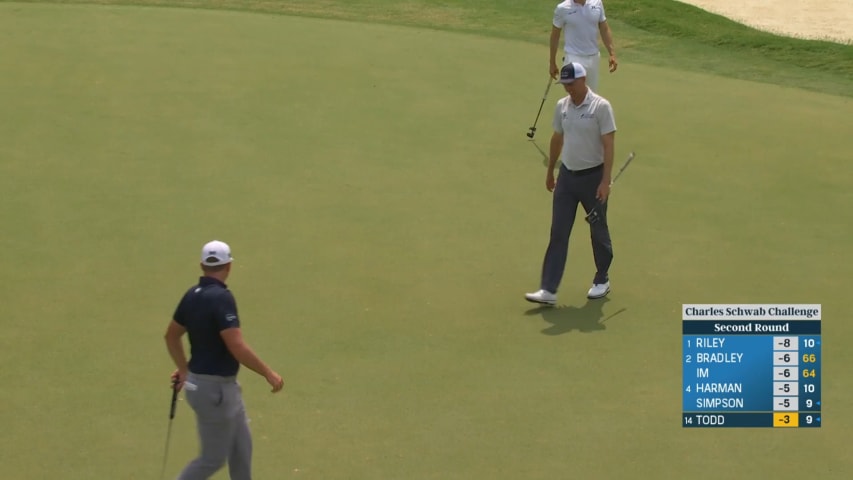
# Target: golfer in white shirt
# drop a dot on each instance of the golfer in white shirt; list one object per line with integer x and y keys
{"x": 580, "y": 22}
{"x": 584, "y": 139}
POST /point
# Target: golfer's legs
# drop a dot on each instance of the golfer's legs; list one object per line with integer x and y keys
{"x": 590, "y": 63}
{"x": 592, "y": 72}
{"x": 240, "y": 458}
{"x": 602, "y": 249}
{"x": 215, "y": 430}
{"x": 563, "y": 211}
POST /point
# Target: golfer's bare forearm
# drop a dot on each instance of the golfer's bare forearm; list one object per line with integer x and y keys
{"x": 241, "y": 352}
{"x": 176, "y": 351}
{"x": 608, "y": 142}
{"x": 556, "y": 146}
{"x": 555, "y": 43}
{"x": 244, "y": 354}
{"x": 607, "y": 38}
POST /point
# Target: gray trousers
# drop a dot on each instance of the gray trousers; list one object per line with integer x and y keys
{"x": 223, "y": 428}
{"x": 570, "y": 191}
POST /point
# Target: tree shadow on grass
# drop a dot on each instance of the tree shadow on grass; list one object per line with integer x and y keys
{"x": 565, "y": 318}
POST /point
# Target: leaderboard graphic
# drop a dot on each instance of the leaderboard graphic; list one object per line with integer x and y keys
{"x": 751, "y": 365}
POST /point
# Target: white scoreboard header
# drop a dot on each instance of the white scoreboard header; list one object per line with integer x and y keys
{"x": 768, "y": 311}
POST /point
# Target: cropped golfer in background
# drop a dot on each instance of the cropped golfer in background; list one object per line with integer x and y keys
{"x": 580, "y": 22}
{"x": 584, "y": 137}
{"x": 208, "y": 314}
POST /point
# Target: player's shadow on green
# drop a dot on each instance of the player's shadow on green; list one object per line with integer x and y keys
{"x": 566, "y": 318}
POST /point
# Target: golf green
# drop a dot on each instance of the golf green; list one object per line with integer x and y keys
{"x": 386, "y": 214}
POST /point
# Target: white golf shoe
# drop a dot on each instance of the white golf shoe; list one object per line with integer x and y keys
{"x": 598, "y": 290}
{"x": 541, "y": 296}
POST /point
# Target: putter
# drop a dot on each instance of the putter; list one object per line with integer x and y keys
{"x": 594, "y": 215}
{"x": 169, "y": 431}
{"x": 532, "y": 131}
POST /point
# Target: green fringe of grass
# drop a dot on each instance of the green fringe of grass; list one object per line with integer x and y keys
{"x": 684, "y": 22}
{"x": 656, "y": 32}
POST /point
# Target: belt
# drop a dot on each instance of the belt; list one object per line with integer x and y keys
{"x": 212, "y": 378}
{"x": 585, "y": 171}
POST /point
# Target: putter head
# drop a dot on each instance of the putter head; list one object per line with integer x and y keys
{"x": 532, "y": 132}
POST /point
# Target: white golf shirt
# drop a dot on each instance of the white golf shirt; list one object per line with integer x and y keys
{"x": 582, "y": 127}
{"x": 580, "y": 25}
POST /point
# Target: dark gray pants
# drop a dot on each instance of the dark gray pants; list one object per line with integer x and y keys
{"x": 223, "y": 428}
{"x": 570, "y": 191}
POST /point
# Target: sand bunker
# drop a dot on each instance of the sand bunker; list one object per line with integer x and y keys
{"x": 816, "y": 19}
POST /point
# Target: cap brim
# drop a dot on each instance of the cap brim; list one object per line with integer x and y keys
{"x": 216, "y": 264}
{"x": 569, "y": 82}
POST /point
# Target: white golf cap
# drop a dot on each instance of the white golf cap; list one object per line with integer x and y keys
{"x": 571, "y": 72}
{"x": 215, "y": 253}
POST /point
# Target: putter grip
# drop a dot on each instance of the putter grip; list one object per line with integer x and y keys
{"x": 174, "y": 400}
{"x": 594, "y": 213}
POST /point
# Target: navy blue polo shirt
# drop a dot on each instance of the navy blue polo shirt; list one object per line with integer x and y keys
{"x": 204, "y": 311}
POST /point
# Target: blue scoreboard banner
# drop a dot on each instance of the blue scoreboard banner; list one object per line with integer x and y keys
{"x": 751, "y": 365}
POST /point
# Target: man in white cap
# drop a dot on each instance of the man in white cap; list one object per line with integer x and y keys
{"x": 208, "y": 313}
{"x": 584, "y": 137}
{"x": 581, "y": 21}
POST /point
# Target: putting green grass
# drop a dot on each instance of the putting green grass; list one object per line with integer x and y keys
{"x": 653, "y": 32}
{"x": 386, "y": 214}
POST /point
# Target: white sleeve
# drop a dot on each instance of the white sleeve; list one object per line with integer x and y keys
{"x": 603, "y": 17}
{"x": 558, "y": 18}
{"x": 557, "y": 122}
{"x": 606, "y": 120}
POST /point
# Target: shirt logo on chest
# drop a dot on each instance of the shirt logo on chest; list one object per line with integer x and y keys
{"x": 582, "y": 116}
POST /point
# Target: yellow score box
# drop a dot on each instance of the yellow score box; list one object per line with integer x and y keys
{"x": 786, "y": 419}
